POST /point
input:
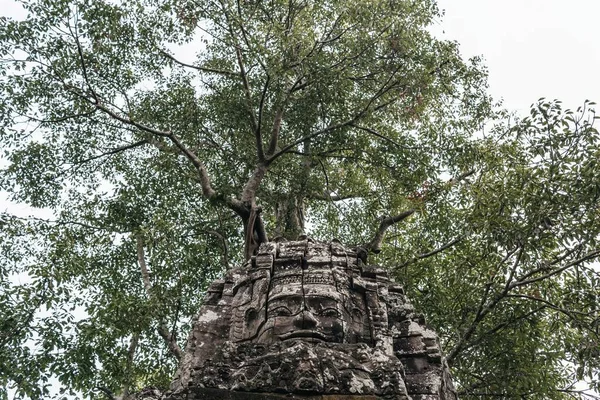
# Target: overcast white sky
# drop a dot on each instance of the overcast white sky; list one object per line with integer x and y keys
{"x": 533, "y": 48}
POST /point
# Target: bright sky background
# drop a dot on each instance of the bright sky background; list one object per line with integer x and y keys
{"x": 533, "y": 48}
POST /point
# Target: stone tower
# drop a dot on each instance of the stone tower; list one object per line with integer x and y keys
{"x": 310, "y": 320}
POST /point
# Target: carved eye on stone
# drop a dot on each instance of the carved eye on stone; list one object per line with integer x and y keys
{"x": 357, "y": 314}
{"x": 281, "y": 312}
{"x": 330, "y": 312}
{"x": 251, "y": 315}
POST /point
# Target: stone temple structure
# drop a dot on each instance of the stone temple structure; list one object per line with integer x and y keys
{"x": 310, "y": 320}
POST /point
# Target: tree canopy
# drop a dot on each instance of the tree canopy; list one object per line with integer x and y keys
{"x": 336, "y": 119}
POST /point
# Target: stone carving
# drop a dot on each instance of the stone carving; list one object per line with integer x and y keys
{"x": 310, "y": 320}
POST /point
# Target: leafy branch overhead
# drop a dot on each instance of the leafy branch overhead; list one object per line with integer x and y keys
{"x": 160, "y": 142}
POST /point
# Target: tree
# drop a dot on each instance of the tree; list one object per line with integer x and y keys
{"x": 336, "y": 119}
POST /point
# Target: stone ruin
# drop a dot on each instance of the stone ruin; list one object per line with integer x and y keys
{"x": 310, "y": 320}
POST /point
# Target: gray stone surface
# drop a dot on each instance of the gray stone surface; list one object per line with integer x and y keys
{"x": 310, "y": 320}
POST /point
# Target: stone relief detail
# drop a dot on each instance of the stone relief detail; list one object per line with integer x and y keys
{"x": 310, "y": 319}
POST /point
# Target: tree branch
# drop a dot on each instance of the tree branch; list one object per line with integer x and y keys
{"x": 523, "y": 282}
{"x": 249, "y": 191}
{"x": 358, "y": 115}
{"x": 545, "y": 266}
{"x": 82, "y": 61}
{"x": 259, "y": 142}
{"x": 275, "y": 133}
{"x": 505, "y": 324}
{"x": 260, "y": 230}
{"x": 255, "y": 233}
{"x": 207, "y": 189}
{"x": 485, "y": 308}
{"x": 279, "y": 118}
{"x": 375, "y": 244}
{"x": 335, "y": 197}
{"x": 225, "y": 247}
{"x": 510, "y": 285}
{"x": 379, "y": 135}
{"x": 205, "y": 183}
{"x": 113, "y": 151}
{"x": 107, "y": 392}
{"x": 432, "y": 253}
{"x": 130, "y": 354}
{"x": 59, "y": 119}
{"x": 164, "y": 333}
{"x": 461, "y": 177}
{"x": 568, "y": 313}
{"x": 307, "y": 137}
{"x": 247, "y": 90}
{"x": 199, "y": 68}
{"x": 67, "y": 222}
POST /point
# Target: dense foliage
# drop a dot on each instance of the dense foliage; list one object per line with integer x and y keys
{"x": 154, "y": 170}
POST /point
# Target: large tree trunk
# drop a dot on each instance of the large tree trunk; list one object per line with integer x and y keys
{"x": 290, "y": 217}
{"x": 290, "y": 213}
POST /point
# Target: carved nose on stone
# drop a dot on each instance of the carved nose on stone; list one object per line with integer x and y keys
{"x": 305, "y": 320}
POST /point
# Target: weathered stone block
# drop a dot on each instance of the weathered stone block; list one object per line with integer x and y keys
{"x": 310, "y": 320}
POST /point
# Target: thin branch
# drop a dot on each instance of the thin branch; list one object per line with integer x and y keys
{"x": 164, "y": 333}
{"x": 225, "y": 247}
{"x": 142, "y": 264}
{"x": 247, "y": 90}
{"x": 513, "y": 270}
{"x": 130, "y": 354}
{"x": 113, "y": 151}
{"x": 461, "y": 177}
{"x": 488, "y": 286}
{"x": 582, "y": 393}
{"x": 382, "y": 91}
{"x": 505, "y": 324}
{"x": 568, "y": 313}
{"x": 199, "y": 68}
{"x": 107, "y": 392}
{"x": 431, "y": 253}
{"x": 67, "y": 222}
{"x": 17, "y": 329}
{"x": 510, "y": 285}
{"x": 375, "y": 244}
{"x": 327, "y": 191}
{"x": 275, "y": 133}
{"x": 299, "y": 86}
{"x": 279, "y": 118}
{"x": 485, "y": 308}
{"x": 82, "y": 61}
{"x": 335, "y": 197}
{"x": 379, "y": 135}
{"x": 259, "y": 142}
{"x": 309, "y": 136}
{"x": 545, "y": 266}
{"x": 205, "y": 183}
{"x": 207, "y": 189}
{"x": 589, "y": 256}
{"x": 59, "y": 119}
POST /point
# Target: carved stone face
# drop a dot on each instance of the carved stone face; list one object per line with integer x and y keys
{"x": 311, "y": 308}
{"x": 311, "y": 318}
